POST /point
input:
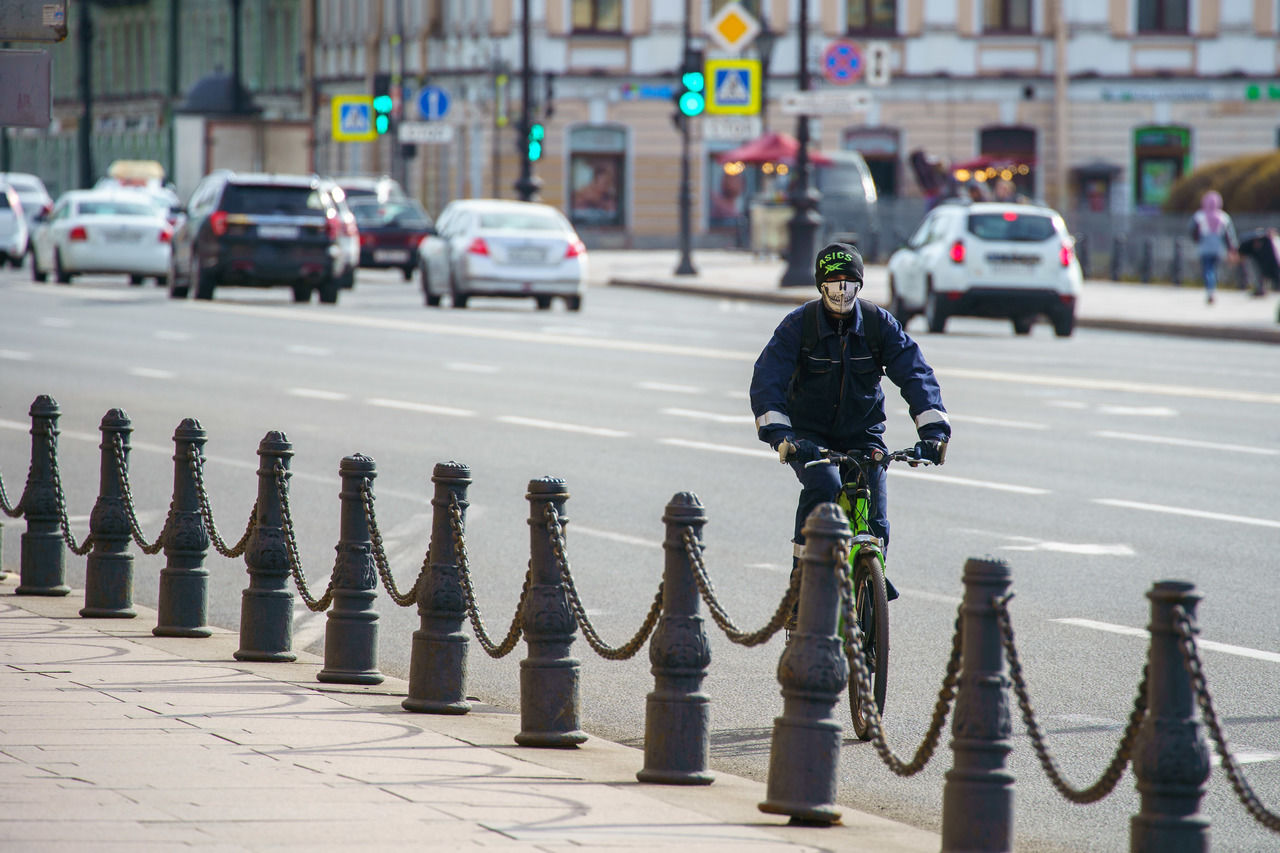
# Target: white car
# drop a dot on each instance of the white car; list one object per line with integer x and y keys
{"x": 987, "y": 259}
{"x": 490, "y": 247}
{"x": 13, "y": 227}
{"x": 103, "y": 231}
{"x": 31, "y": 192}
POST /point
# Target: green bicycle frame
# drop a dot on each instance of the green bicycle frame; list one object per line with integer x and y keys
{"x": 858, "y": 512}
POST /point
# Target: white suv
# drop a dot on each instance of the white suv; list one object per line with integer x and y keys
{"x": 987, "y": 259}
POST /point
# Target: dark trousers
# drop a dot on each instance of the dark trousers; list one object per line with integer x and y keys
{"x": 821, "y": 484}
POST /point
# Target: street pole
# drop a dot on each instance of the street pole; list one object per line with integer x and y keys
{"x": 685, "y": 267}
{"x": 397, "y": 86}
{"x": 527, "y": 185}
{"x": 84, "y": 132}
{"x": 804, "y": 199}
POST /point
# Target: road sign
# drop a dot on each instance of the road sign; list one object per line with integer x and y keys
{"x": 733, "y": 28}
{"x": 842, "y": 62}
{"x": 730, "y": 128}
{"x": 433, "y": 102}
{"x": 25, "y": 96}
{"x": 425, "y": 132}
{"x": 876, "y": 59}
{"x": 823, "y": 102}
{"x": 733, "y": 86}
{"x": 353, "y": 118}
{"x": 32, "y": 20}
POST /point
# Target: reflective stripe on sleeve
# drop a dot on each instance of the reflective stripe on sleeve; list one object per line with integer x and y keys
{"x": 771, "y": 418}
{"x": 933, "y": 416}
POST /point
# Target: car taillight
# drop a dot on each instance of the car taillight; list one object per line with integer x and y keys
{"x": 332, "y": 227}
{"x": 957, "y": 252}
{"x": 366, "y": 239}
{"x": 478, "y": 247}
{"x": 166, "y": 235}
{"x": 575, "y": 249}
{"x": 78, "y": 233}
{"x": 218, "y": 222}
{"x": 1064, "y": 254}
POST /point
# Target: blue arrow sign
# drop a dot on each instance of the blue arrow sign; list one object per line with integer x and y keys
{"x": 433, "y": 102}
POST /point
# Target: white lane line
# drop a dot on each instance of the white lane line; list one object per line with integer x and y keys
{"x": 1068, "y": 404}
{"x": 719, "y": 448}
{"x": 56, "y": 322}
{"x": 964, "y": 481}
{"x": 308, "y": 627}
{"x": 1112, "y": 385}
{"x": 1244, "y": 755}
{"x": 151, "y": 373}
{"x": 736, "y": 395}
{"x": 602, "y": 432}
{"x": 1187, "y": 442}
{"x": 1140, "y": 411}
{"x": 164, "y": 335}
{"x": 620, "y": 538}
{"x": 664, "y": 386}
{"x": 1029, "y": 543}
{"x": 709, "y": 416}
{"x": 1191, "y": 513}
{"x": 303, "y": 349}
{"x": 424, "y": 408}
{"x": 466, "y": 367}
{"x": 984, "y": 421}
{"x": 1210, "y": 645}
{"x": 14, "y": 355}
{"x": 317, "y": 394}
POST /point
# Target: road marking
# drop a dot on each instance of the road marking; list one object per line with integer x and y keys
{"x": 964, "y": 481}
{"x": 1113, "y": 385}
{"x": 983, "y": 421}
{"x": 317, "y": 394}
{"x": 621, "y": 538}
{"x": 308, "y": 627}
{"x": 603, "y": 432}
{"x": 709, "y": 416}
{"x": 1187, "y": 442}
{"x": 15, "y": 355}
{"x": 151, "y": 373}
{"x": 56, "y": 322}
{"x": 673, "y": 389}
{"x": 1244, "y": 755}
{"x": 1192, "y": 513}
{"x": 1209, "y": 645}
{"x": 303, "y": 349}
{"x": 736, "y": 395}
{"x": 1068, "y": 404}
{"x": 1030, "y": 543}
{"x": 464, "y": 367}
{"x": 1139, "y": 411}
{"x": 719, "y": 448}
{"x": 172, "y": 336}
{"x": 424, "y": 408}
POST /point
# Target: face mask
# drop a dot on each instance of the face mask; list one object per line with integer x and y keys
{"x": 840, "y": 296}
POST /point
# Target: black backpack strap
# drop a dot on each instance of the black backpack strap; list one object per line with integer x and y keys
{"x": 871, "y": 330}
{"x": 809, "y": 326}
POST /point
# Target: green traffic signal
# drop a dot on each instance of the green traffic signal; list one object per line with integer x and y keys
{"x": 692, "y": 103}
{"x": 537, "y": 133}
{"x": 382, "y": 106}
{"x": 382, "y": 123}
{"x": 694, "y": 81}
{"x": 383, "y": 103}
{"x": 691, "y": 100}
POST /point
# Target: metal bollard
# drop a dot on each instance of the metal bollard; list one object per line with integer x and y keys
{"x": 182, "y": 608}
{"x": 438, "y": 660}
{"x": 351, "y": 631}
{"x": 549, "y": 701}
{"x": 1145, "y": 262}
{"x": 42, "y": 566}
{"x": 805, "y": 753}
{"x": 266, "y": 605}
{"x": 1175, "y": 273}
{"x": 677, "y": 722}
{"x": 1117, "y": 257}
{"x": 108, "y": 574}
{"x": 1170, "y": 753}
{"x": 977, "y": 796}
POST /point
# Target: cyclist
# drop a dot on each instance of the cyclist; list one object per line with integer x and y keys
{"x": 816, "y": 385}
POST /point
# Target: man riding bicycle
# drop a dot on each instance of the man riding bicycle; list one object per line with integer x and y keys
{"x": 816, "y": 385}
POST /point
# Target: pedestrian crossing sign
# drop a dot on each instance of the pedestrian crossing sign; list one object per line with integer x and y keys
{"x": 353, "y": 118}
{"x": 733, "y": 86}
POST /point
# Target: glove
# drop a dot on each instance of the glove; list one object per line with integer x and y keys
{"x": 930, "y": 450}
{"x": 800, "y": 450}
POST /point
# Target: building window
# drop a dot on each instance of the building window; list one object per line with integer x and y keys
{"x": 597, "y": 172}
{"x": 1007, "y": 16}
{"x": 871, "y": 17}
{"x": 1161, "y": 155}
{"x": 1162, "y": 16}
{"x": 1008, "y": 156}
{"x": 880, "y": 147}
{"x": 597, "y": 16}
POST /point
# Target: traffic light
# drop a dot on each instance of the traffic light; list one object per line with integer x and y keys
{"x": 691, "y": 95}
{"x": 537, "y": 133}
{"x": 383, "y": 103}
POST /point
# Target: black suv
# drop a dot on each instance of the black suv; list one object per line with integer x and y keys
{"x": 256, "y": 230}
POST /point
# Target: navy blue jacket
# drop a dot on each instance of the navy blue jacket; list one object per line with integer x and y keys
{"x": 835, "y": 398}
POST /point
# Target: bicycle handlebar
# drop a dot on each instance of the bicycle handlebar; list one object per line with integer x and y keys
{"x": 877, "y": 457}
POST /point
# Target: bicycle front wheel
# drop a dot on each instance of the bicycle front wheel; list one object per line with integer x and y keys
{"x": 871, "y": 608}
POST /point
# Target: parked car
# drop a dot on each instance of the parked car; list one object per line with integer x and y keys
{"x": 349, "y": 241}
{"x": 32, "y": 193}
{"x": 102, "y": 231}
{"x": 260, "y": 230}
{"x": 489, "y": 247}
{"x": 390, "y": 233}
{"x": 987, "y": 259}
{"x": 13, "y": 227}
{"x": 382, "y": 188}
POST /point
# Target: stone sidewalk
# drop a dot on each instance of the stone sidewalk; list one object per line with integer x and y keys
{"x": 112, "y": 739}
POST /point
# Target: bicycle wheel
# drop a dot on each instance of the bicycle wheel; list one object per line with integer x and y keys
{"x": 871, "y": 608}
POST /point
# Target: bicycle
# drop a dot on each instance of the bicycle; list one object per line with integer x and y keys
{"x": 866, "y": 570}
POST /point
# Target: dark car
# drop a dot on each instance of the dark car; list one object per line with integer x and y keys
{"x": 390, "y": 232}
{"x": 259, "y": 230}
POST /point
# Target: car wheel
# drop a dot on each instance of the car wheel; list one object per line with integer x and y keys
{"x": 1022, "y": 325}
{"x": 202, "y": 279}
{"x": 135, "y": 280}
{"x": 1064, "y": 322}
{"x": 897, "y": 307}
{"x": 59, "y": 273}
{"x": 329, "y": 291}
{"x": 544, "y": 302}
{"x": 934, "y": 314}
{"x": 36, "y": 274}
{"x": 407, "y": 272}
{"x": 301, "y": 292}
{"x": 573, "y": 303}
{"x": 177, "y": 290}
{"x": 459, "y": 299}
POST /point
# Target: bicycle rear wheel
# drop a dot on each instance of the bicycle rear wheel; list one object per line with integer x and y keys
{"x": 871, "y": 608}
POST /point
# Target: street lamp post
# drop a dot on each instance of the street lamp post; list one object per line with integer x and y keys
{"x": 527, "y": 185}
{"x": 803, "y": 225}
{"x": 685, "y": 199}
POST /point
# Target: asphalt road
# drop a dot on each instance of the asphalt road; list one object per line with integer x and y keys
{"x": 1095, "y": 465}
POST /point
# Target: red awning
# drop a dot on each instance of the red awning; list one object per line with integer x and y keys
{"x": 773, "y": 147}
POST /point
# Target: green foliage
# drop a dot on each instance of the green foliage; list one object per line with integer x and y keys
{"x": 1249, "y": 183}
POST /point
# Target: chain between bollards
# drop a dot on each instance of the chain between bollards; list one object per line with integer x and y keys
{"x": 126, "y": 495}
{"x": 380, "y": 554}
{"x": 196, "y": 462}
{"x": 315, "y": 605}
{"x": 628, "y": 649}
{"x": 718, "y": 614}
{"x": 492, "y": 649}
{"x": 11, "y": 510}
{"x": 56, "y": 477}
{"x": 1195, "y": 669}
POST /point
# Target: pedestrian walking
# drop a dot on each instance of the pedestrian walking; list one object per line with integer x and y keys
{"x": 1215, "y": 237}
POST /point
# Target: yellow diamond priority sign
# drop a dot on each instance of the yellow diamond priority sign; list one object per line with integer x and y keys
{"x": 733, "y": 28}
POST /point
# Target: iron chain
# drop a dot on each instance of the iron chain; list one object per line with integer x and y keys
{"x": 11, "y": 510}
{"x": 628, "y": 649}
{"x": 1111, "y": 776}
{"x": 718, "y": 614}
{"x": 492, "y": 649}
{"x": 83, "y": 548}
{"x": 1195, "y": 669}
{"x": 861, "y": 682}
{"x": 380, "y": 554}
{"x": 315, "y": 605}
{"x": 196, "y": 463}
{"x": 126, "y": 493}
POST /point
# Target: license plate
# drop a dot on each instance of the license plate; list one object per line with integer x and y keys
{"x": 124, "y": 235}
{"x": 390, "y": 256}
{"x": 526, "y": 255}
{"x": 278, "y": 232}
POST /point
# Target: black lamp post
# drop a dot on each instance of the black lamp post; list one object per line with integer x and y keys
{"x": 803, "y": 225}
{"x": 84, "y": 132}
{"x": 527, "y": 185}
{"x": 685, "y": 265}
{"x": 764, "y": 43}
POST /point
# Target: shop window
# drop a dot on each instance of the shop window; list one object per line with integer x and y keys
{"x": 1007, "y": 16}
{"x": 1162, "y": 16}
{"x": 879, "y": 146}
{"x": 1160, "y": 156}
{"x": 728, "y": 190}
{"x": 871, "y": 17}
{"x": 597, "y": 16}
{"x": 597, "y": 172}
{"x": 1009, "y": 155}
